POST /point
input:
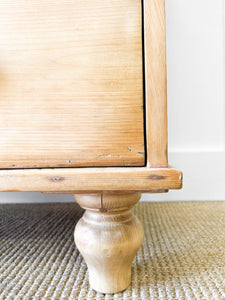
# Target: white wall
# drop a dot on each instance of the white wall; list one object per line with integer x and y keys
{"x": 195, "y": 57}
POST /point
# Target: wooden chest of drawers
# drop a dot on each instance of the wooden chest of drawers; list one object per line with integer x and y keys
{"x": 83, "y": 111}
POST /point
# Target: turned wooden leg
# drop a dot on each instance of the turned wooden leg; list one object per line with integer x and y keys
{"x": 108, "y": 236}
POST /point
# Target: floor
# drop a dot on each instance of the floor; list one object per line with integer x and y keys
{"x": 182, "y": 256}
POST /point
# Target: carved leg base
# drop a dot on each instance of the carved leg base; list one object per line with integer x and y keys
{"x": 108, "y": 236}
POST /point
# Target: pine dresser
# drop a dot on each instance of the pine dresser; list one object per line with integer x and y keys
{"x": 83, "y": 111}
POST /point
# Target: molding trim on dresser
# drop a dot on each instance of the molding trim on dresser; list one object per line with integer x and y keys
{"x": 108, "y": 235}
{"x": 90, "y": 179}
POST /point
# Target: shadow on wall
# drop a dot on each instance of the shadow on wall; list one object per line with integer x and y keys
{"x": 33, "y": 197}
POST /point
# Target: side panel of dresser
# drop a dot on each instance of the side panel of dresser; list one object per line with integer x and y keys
{"x": 71, "y": 83}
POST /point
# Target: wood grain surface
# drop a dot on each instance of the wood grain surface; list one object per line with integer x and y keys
{"x": 71, "y": 90}
{"x": 91, "y": 180}
{"x": 108, "y": 236}
{"x": 155, "y": 82}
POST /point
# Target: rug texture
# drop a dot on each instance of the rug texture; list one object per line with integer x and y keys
{"x": 182, "y": 256}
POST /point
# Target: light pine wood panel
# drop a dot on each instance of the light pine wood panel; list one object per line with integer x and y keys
{"x": 155, "y": 82}
{"x": 71, "y": 83}
{"x": 91, "y": 180}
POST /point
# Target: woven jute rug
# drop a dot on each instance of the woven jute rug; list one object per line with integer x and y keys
{"x": 182, "y": 257}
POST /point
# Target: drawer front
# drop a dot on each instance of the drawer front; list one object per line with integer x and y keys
{"x": 71, "y": 83}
